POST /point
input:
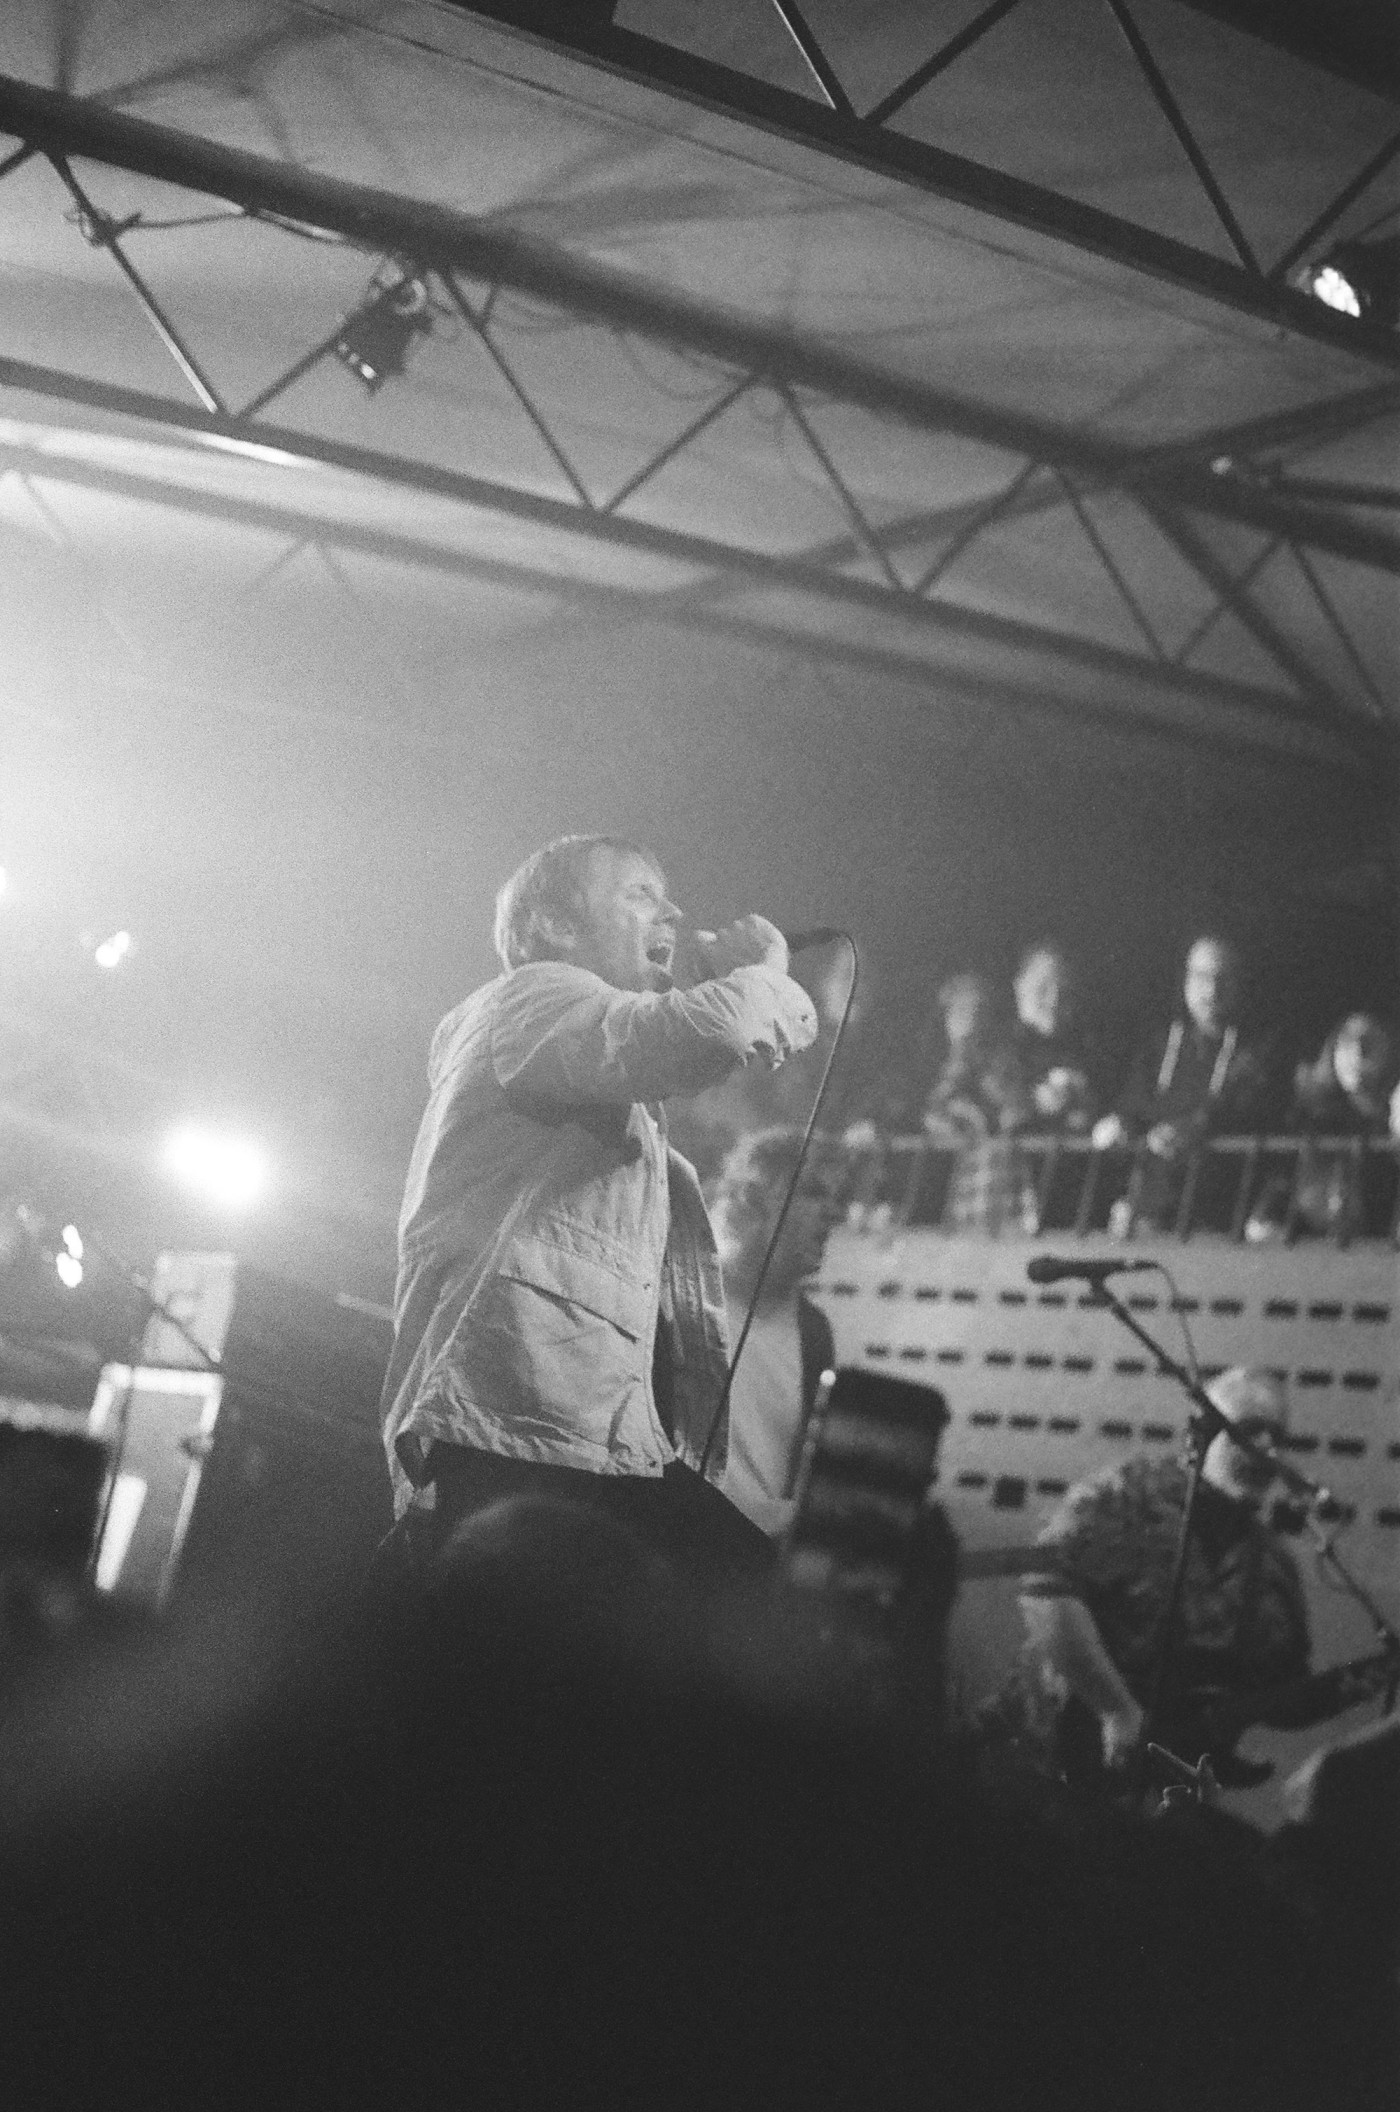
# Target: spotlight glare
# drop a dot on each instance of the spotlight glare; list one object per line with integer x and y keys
{"x": 1333, "y": 287}
{"x": 225, "y": 1170}
{"x": 1359, "y": 278}
{"x": 72, "y": 1242}
{"x": 112, "y": 952}
{"x": 68, "y": 1269}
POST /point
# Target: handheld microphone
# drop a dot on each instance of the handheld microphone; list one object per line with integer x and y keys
{"x": 819, "y": 935}
{"x": 1053, "y": 1268}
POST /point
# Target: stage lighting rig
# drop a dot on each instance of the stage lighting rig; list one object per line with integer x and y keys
{"x": 376, "y": 339}
{"x": 1359, "y": 278}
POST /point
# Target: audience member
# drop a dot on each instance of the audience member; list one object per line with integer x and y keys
{"x": 972, "y": 1109}
{"x": 1198, "y": 1076}
{"x": 1050, "y": 1056}
{"x": 1336, "y": 1188}
{"x": 1346, "y": 1091}
{"x": 789, "y": 1343}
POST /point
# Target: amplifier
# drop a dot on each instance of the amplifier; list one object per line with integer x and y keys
{"x": 265, "y": 1476}
{"x": 52, "y": 1472}
{"x": 279, "y": 1337}
{"x": 868, "y": 1462}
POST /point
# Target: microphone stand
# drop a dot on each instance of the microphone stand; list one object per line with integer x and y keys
{"x": 1386, "y": 1633}
{"x": 798, "y": 939}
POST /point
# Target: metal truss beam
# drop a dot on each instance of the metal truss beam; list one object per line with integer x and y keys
{"x": 1155, "y": 690}
{"x": 452, "y": 241}
{"x": 1307, "y": 426}
{"x": 867, "y": 143}
{"x": 1230, "y": 592}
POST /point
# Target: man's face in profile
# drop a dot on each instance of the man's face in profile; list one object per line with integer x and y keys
{"x": 625, "y": 929}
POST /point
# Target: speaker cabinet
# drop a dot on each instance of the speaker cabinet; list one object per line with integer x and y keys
{"x": 263, "y": 1477}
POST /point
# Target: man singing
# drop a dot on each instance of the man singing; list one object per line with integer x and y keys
{"x": 559, "y": 1311}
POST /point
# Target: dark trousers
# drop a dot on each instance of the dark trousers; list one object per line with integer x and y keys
{"x": 677, "y": 1515}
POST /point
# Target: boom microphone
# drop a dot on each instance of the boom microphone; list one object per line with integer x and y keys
{"x": 1053, "y": 1268}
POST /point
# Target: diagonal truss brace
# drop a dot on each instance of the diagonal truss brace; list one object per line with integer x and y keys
{"x": 450, "y": 240}
{"x": 1230, "y": 592}
{"x": 833, "y": 128}
{"x": 967, "y": 628}
{"x": 780, "y": 369}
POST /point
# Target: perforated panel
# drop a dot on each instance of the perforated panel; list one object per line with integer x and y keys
{"x": 1045, "y": 1387}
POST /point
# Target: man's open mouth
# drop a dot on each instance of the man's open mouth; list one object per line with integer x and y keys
{"x": 659, "y": 953}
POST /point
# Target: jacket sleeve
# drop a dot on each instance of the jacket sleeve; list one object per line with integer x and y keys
{"x": 565, "y": 1038}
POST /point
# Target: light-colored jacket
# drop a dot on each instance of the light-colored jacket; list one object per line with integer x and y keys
{"x": 546, "y": 1223}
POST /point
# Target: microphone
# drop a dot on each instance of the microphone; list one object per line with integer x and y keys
{"x": 819, "y": 935}
{"x": 1053, "y": 1268}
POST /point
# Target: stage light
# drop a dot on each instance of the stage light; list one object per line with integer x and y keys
{"x": 1361, "y": 279}
{"x": 112, "y": 952}
{"x": 68, "y": 1258}
{"x": 225, "y": 1170}
{"x": 375, "y": 341}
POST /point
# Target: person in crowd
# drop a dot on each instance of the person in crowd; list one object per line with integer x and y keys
{"x": 789, "y": 1341}
{"x": 1093, "y": 1618}
{"x": 1049, "y": 1049}
{"x": 973, "y": 1106}
{"x": 559, "y": 1309}
{"x": 1199, "y": 1076}
{"x": 1051, "y": 1071}
{"x": 1345, "y": 1092}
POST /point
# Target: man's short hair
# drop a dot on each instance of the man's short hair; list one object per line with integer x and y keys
{"x": 1039, "y": 949}
{"x": 548, "y": 890}
{"x": 1250, "y": 1390}
{"x": 1226, "y": 944}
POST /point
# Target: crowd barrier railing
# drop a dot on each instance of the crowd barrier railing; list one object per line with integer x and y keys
{"x": 1256, "y": 1189}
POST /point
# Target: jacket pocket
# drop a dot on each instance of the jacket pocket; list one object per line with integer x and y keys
{"x": 579, "y": 1279}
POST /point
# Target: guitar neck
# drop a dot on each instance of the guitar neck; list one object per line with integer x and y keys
{"x": 1308, "y": 1700}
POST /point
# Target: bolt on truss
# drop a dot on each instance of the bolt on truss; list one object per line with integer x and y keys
{"x": 803, "y": 378}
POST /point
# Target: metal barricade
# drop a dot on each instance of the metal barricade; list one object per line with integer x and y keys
{"x": 1251, "y": 1189}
